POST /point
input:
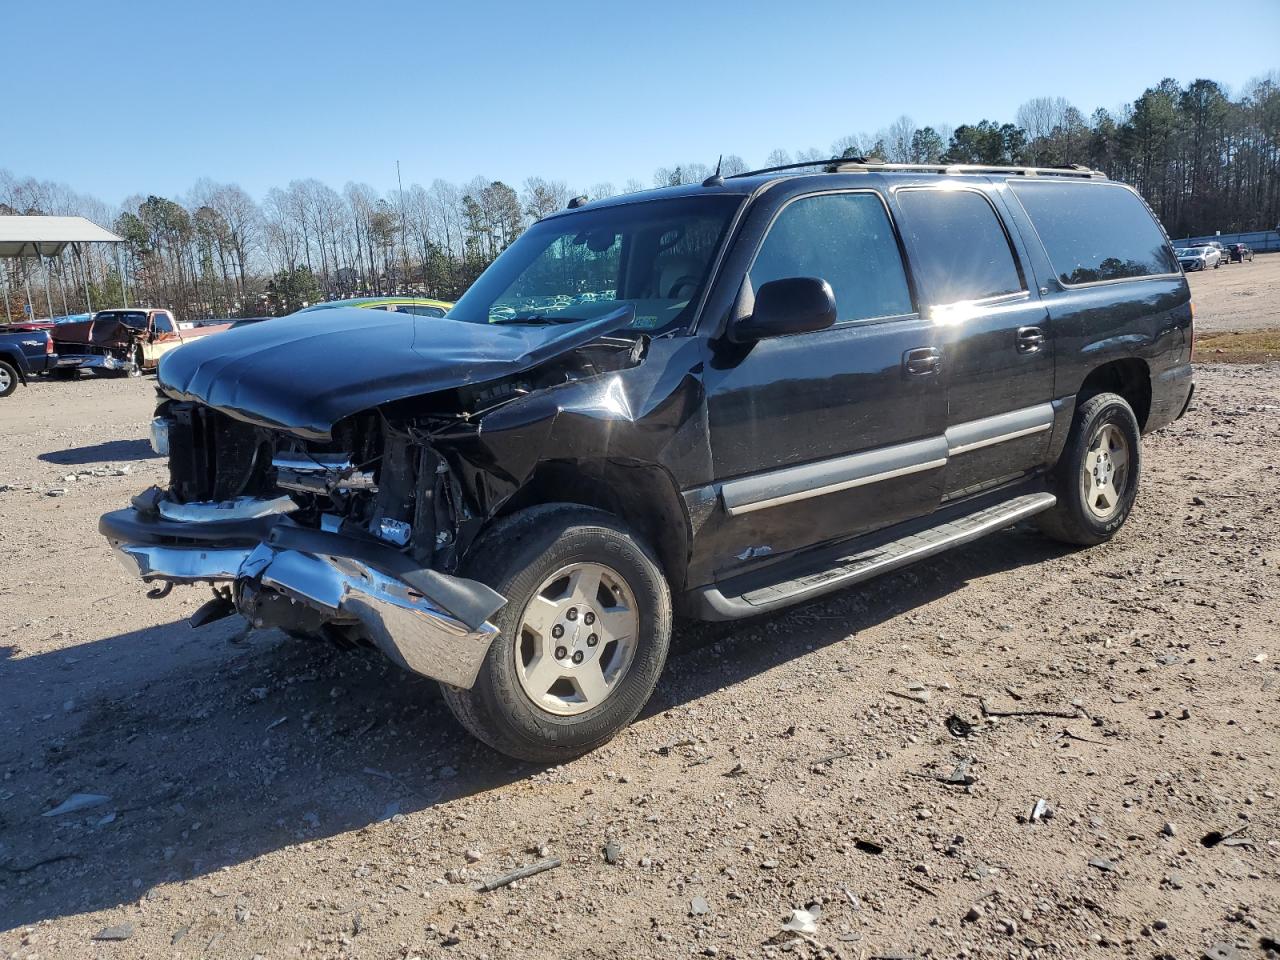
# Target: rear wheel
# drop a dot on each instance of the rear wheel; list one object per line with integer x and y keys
{"x": 8, "y": 378}
{"x": 1096, "y": 479}
{"x": 583, "y": 636}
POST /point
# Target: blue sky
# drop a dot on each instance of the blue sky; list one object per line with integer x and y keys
{"x": 128, "y": 97}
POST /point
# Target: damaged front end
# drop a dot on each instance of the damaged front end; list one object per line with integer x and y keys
{"x": 359, "y": 534}
{"x": 311, "y": 538}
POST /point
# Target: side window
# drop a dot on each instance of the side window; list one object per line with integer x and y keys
{"x": 959, "y": 248}
{"x": 1095, "y": 231}
{"x": 847, "y": 240}
{"x": 163, "y": 323}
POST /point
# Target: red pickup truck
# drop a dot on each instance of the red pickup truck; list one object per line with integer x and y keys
{"x": 126, "y": 341}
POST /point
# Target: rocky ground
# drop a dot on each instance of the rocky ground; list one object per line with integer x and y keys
{"x": 1014, "y": 750}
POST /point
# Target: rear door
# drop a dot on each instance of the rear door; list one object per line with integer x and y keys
{"x": 998, "y": 354}
{"x": 823, "y": 435}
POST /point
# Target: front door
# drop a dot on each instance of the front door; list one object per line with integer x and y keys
{"x": 162, "y": 338}
{"x": 821, "y": 436}
{"x": 997, "y": 348}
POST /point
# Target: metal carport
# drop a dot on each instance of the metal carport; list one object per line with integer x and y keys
{"x": 43, "y": 237}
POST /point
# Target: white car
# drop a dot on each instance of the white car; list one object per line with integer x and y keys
{"x": 1199, "y": 258}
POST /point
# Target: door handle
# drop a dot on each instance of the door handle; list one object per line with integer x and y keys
{"x": 922, "y": 361}
{"x": 1030, "y": 339}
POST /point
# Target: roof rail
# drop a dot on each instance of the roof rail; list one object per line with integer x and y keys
{"x": 876, "y": 165}
{"x": 828, "y": 165}
{"x": 1072, "y": 170}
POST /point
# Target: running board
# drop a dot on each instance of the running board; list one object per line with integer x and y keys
{"x": 835, "y": 569}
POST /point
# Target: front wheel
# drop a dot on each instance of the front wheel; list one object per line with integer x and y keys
{"x": 583, "y": 636}
{"x": 134, "y": 369}
{"x": 1096, "y": 479}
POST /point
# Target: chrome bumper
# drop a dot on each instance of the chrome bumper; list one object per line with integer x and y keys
{"x": 414, "y": 631}
{"x": 85, "y": 361}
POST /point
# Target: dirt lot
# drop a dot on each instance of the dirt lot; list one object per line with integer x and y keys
{"x": 1238, "y": 296}
{"x": 269, "y": 798}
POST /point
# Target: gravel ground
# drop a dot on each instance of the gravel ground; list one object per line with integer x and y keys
{"x": 265, "y": 797}
{"x": 1237, "y": 296}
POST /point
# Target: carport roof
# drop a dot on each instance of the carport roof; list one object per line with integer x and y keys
{"x": 47, "y": 236}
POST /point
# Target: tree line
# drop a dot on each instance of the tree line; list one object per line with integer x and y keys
{"x": 1203, "y": 160}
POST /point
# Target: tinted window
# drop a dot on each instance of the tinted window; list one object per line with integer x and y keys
{"x": 1095, "y": 231}
{"x": 847, "y": 240}
{"x": 163, "y": 323}
{"x": 960, "y": 250}
{"x": 655, "y": 255}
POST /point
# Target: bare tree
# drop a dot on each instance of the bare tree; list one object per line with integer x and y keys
{"x": 542, "y": 197}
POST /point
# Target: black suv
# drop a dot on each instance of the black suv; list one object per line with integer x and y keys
{"x": 713, "y": 400}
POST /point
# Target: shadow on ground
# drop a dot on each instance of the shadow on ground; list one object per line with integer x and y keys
{"x": 113, "y": 451}
{"x": 247, "y": 749}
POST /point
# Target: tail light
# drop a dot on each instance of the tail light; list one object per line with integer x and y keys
{"x": 48, "y": 345}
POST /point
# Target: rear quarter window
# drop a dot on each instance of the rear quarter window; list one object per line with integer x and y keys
{"x": 1094, "y": 232}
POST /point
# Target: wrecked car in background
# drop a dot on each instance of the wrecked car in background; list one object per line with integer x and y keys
{"x": 125, "y": 341}
{"x": 715, "y": 399}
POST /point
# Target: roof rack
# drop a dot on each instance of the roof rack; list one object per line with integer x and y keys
{"x": 875, "y": 165}
{"x": 828, "y": 165}
{"x": 869, "y": 166}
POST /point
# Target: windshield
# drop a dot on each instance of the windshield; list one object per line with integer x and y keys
{"x": 1187, "y": 252}
{"x": 130, "y": 318}
{"x": 654, "y": 255}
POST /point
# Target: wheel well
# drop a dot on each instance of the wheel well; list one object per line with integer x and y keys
{"x": 643, "y": 496}
{"x": 1130, "y": 378}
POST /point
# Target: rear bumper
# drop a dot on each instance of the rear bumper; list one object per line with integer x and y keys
{"x": 1171, "y": 392}
{"x": 431, "y": 624}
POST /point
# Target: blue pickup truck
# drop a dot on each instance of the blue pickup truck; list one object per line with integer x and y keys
{"x": 23, "y": 351}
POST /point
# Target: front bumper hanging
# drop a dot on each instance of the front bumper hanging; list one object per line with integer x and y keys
{"x": 87, "y": 361}
{"x": 425, "y": 621}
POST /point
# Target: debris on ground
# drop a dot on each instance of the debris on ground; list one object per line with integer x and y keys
{"x": 802, "y": 921}
{"x": 520, "y": 874}
{"x": 121, "y": 931}
{"x": 77, "y": 802}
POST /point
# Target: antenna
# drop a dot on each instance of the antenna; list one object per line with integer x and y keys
{"x": 404, "y": 240}
{"x": 715, "y": 180}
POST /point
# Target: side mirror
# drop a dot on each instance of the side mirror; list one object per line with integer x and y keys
{"x": 793, "y": 305}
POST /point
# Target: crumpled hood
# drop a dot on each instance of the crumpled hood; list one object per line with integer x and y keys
{"x": 106, "y": 332}
{"x": 303, "y": 373}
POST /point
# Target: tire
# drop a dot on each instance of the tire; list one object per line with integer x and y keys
{"x": 525, "y": 558}
{"x": 134, "y": 370}
{"x": 8, "y": 378}
{"x": 1089, "y": 512}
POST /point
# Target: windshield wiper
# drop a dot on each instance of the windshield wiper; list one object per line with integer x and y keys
{"x": 538, "y": 318}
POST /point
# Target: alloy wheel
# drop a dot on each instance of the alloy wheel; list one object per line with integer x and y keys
{"x": 1105, "y": 474}
{"x": 576, "y": 639}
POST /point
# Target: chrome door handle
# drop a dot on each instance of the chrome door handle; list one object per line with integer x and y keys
{"x": 922, "y": 361}
{"x": 1030, "y": 339}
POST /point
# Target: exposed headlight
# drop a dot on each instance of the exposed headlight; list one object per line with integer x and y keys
{"x": 160, "y": 436}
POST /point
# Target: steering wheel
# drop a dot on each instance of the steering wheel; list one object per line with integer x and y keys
{"x": 687, "y": 280}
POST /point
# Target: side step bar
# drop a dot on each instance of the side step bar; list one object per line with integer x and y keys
{"x": 836, "y": 569}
